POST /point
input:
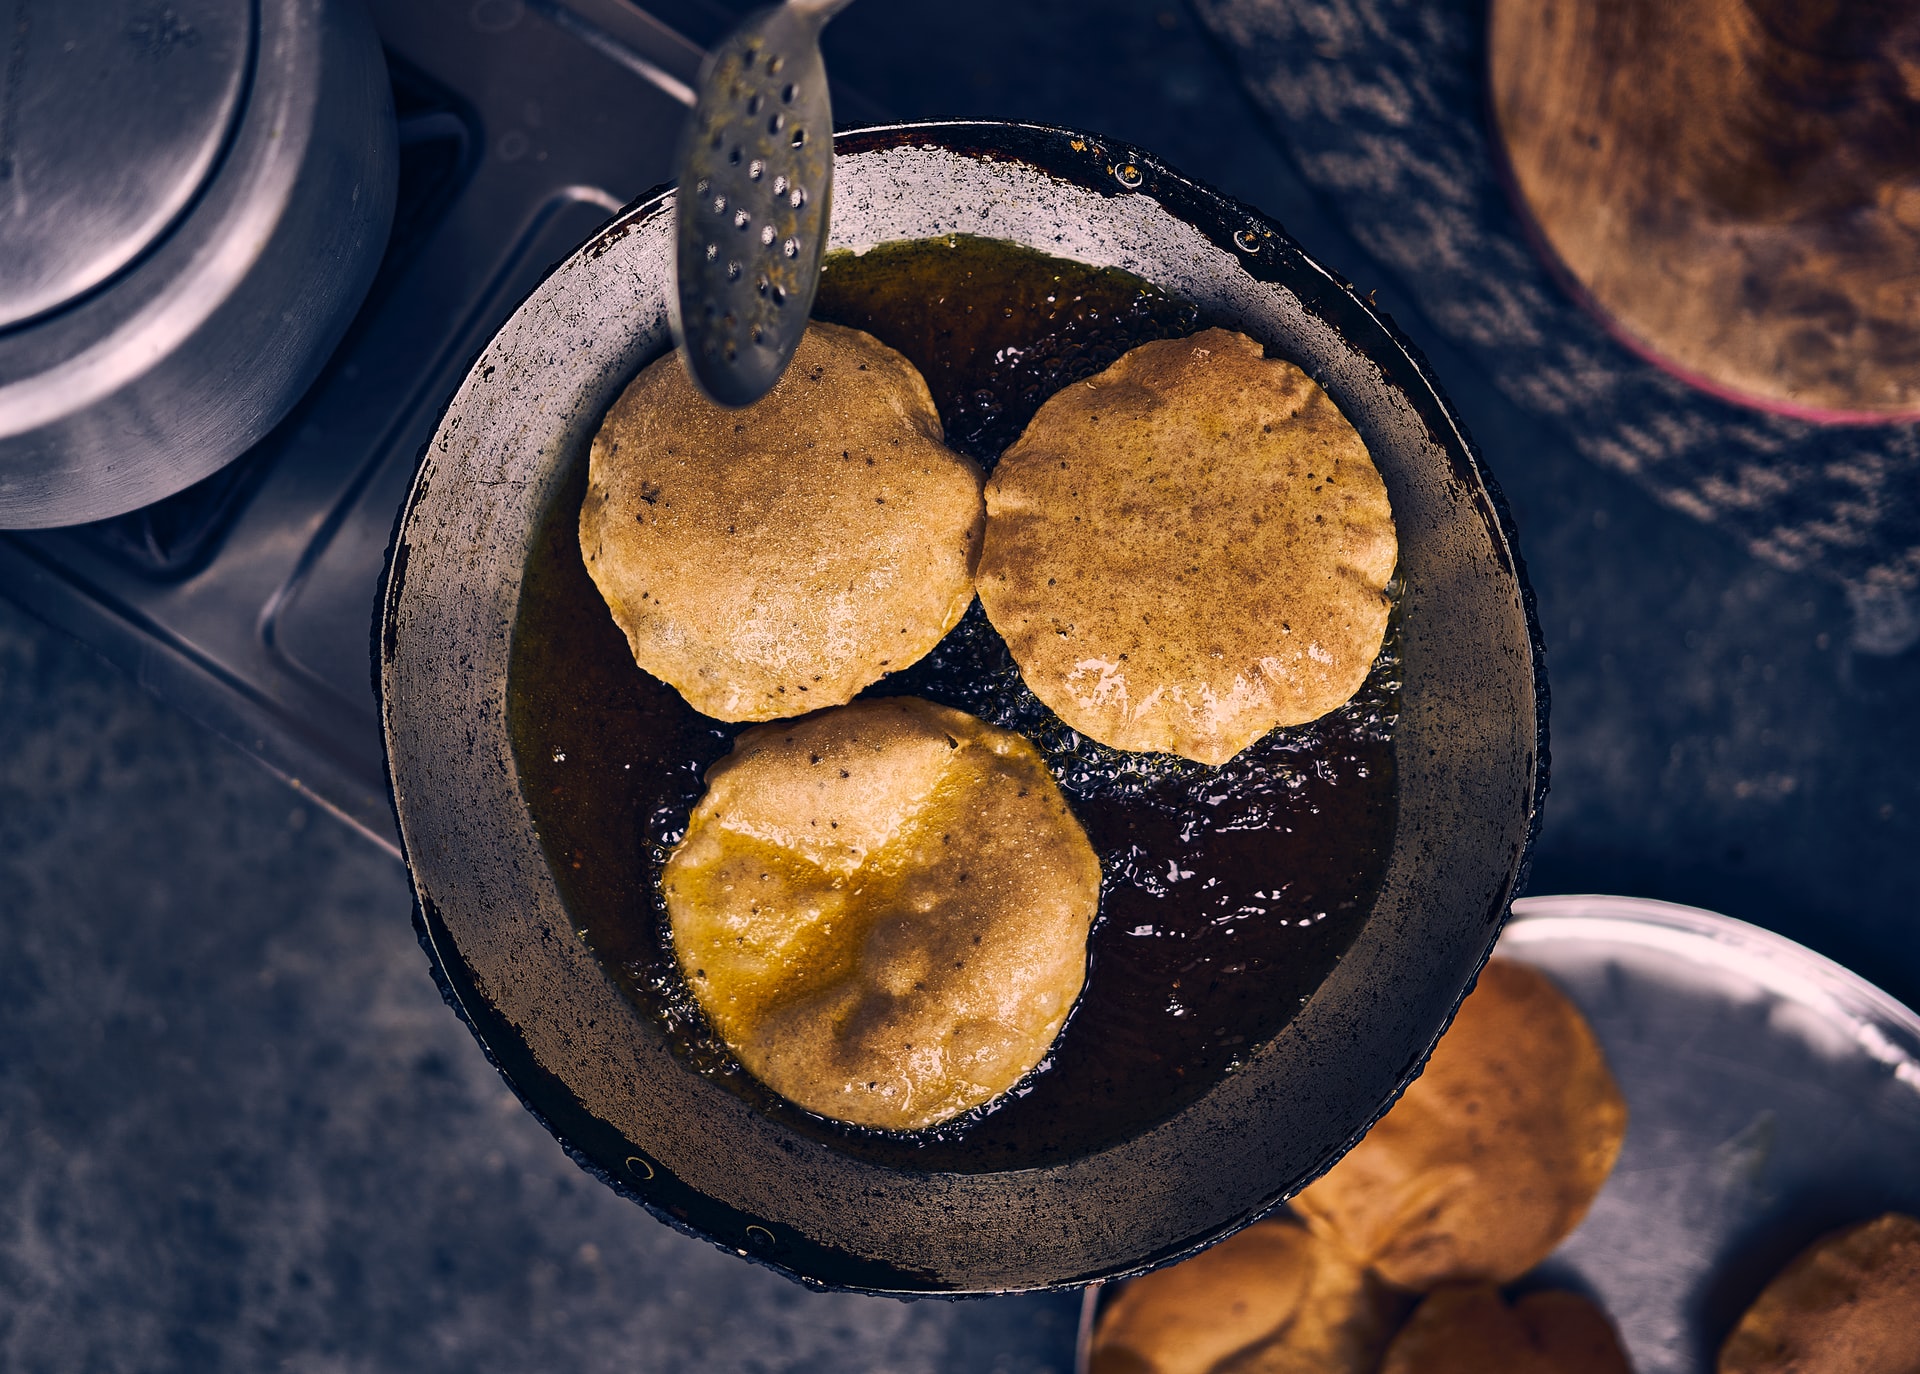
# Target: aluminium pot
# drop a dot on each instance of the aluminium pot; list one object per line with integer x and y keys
{"x": 1469, "y": 750}
{"x": 194, "y": 200}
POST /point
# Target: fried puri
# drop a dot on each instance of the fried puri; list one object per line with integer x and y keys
{"x": 883, "y": 910}
{"x": 1850, "y": 1304}
{"x": 1274, "y": 1299}
{"x": 771, "y": 561}
{"x": 1189, "y": 549}
{"x": 1492, "y": 1155}
{"x": 1470, "y": 1329}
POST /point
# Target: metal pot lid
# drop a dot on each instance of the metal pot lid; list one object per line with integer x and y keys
{"x": 242, "y": 157}
{"x": 112, "y": 117}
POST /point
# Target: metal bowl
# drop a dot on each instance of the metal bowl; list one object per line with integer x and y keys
{"x": 1773, "y": 1096}
{"x": 1469, "y": 750}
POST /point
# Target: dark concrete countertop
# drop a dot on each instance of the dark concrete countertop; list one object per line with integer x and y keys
{"x": 243, "y": 1133}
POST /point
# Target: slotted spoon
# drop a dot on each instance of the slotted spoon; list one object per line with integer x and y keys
{"x": 756, "y": 182}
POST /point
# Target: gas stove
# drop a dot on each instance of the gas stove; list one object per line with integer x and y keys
{"x": 247, "y": 600}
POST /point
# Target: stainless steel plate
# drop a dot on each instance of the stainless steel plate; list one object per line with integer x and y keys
{"x": 1773, "y": 1096}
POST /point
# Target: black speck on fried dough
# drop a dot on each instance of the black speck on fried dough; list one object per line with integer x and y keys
{"x": 774, "y": 560}
{"x": 1189, "y": 549}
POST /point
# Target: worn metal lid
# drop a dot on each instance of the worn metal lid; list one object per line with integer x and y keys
{"x": 196, "y": 198}
{"x": 110, "y": 124}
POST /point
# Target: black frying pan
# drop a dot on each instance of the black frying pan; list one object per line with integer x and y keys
{"x": 1469, "y": 751}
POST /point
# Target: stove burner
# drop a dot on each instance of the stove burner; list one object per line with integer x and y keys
{"x": 439, "y": 140}
{"x": 247, "y": 599}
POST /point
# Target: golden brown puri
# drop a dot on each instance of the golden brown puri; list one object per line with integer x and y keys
{"x": 1492, "y": 1155}
{"x": 883, "y": 909}
{"x": 1341, "y": 1326}
{"x": 1850, "y": 1304}
{"x": 774, "y": 560}
{"x": 1189, "y": 549}
{"x": 1273, "y": 1299}
{"x": 1469, "y": 1329}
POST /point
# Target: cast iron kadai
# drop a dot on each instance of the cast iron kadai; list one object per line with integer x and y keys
{"x": 1469, "y": 748}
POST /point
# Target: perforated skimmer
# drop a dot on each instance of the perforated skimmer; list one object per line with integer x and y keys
{"x": 756, "y": 182}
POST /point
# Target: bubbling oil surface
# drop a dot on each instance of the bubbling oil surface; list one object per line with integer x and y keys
{"x": 1228, "y": 894}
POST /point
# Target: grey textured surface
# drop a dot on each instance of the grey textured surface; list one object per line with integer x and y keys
{"x": 241, "y": 1132}
{"x": 323, "y": 1174}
